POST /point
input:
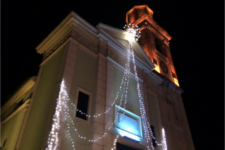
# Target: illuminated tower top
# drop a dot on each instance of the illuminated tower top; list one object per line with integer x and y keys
{"x": 154, "y": 41}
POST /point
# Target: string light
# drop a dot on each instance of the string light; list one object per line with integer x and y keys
{"x": 133, "y": 32}
{"x": 164, "y": 139}
{"x": 146, "y": 125}
{"x": 114, "y": 143}
{"x": 62, "y": 105}
{"x": 53, "y": 135}
{"x": 124, "y": 78}
{"x": 124, "y": 86}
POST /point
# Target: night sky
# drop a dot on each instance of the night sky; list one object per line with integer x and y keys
{"x": 196, "y": 47}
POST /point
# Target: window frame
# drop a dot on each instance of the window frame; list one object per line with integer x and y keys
{"x": 132, "y": 116}
{"x": 79, "y": 89}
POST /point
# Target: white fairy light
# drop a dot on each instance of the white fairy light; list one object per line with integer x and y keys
{"x": 145, "y": 122}
{"x": 126, "y": 73}
{"x": 124, "y": 87}
{"x": 62, "y": 105}
{"x": 164, "y": 139}
{"x": 53, "y": 140}
{"x": 133, "y": 32}
{"x": 114, "y": 142}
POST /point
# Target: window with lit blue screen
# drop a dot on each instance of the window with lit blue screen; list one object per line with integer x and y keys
{"x": 128, "y": 124}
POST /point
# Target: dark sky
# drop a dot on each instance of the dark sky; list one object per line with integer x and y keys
{"x": 196, "y": 47}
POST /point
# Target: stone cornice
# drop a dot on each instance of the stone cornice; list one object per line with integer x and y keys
{"x": 119, "y": 66}
{"x": 66, "y": 26}
{"x": 26, "y": 104}
{"x": 146, "y": 14}
{"x": 171, "y": 85}
{"x": 25, "y": 87}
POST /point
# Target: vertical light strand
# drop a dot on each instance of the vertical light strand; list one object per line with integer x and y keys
{"x": 164, "y": 144}
{"x": 124, "y": 87}
{"x": 142, "y": 108}
{"x": 146, "y": 124}
{"x": 53, "y": 139}
{"x": 114, "y": 142}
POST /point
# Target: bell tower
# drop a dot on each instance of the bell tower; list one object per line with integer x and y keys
{"x": 154, "y": 41}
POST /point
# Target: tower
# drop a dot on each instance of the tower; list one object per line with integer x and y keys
{"x": 154, "y": 41}
{"x": 77, "y": 99}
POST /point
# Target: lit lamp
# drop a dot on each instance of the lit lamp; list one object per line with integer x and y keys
{"x": 132, "y": 32}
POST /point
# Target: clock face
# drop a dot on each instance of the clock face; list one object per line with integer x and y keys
{"x": 163, "y": 67}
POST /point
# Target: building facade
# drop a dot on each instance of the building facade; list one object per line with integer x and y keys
{"x": 88, "y": 85}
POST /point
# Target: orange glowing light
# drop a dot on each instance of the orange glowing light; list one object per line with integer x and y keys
{"x": 156, "y": 68}
{"x": 176, "y": 81}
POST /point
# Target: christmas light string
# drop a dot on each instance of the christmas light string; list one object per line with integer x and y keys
{"x": 105, "y": 133}
{"x": 164, "y": 139}
{"x": 142, "y": 108}
{"x": 114, "y": 143}
{"x": 126, "y": 72}
{"x": 146, "y": 124}
{"x": 124, "y": 94}
{"x": 53, "y": 135}
{"x": 63, "y": 98}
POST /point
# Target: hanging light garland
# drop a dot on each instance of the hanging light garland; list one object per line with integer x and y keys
{"x": 124, "y": 86}
{"x": 164, "y": 139}
{"x": 62, "y": 105}
{"x": 134, "y": 32}
{"x": 53, "y": 135}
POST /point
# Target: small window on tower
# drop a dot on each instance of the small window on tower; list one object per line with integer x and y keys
{"x": 174, "y": 76}
{"x": 153, "y": 140}
{"x": 160, "y": 47}
{"x": 82, "y": 105}
{"x": 154, "y": 61}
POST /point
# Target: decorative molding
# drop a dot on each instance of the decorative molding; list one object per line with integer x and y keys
{"x": 55, "y": 47}
{"x": 76, "y": 36}
{"x": 25, "y": 104}
{"x": 84, "y": 41}
{"x": 155, "y": 77}
{"x": 22, "y": 90}
{"x": 116, "y": 57}
{"x": 103, "y": 50}
{"x": 121, "y": 68}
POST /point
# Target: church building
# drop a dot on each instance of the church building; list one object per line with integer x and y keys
{"x": 100, "y": 89}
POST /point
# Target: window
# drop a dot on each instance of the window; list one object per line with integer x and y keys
{"x": 154, "y": 61}
{"x": 128, "y": 124}
{"x": 160, "y": 47}
{"x": 153, "y": 132}
{"x": 174, "y": 76}
{"x": 82, "y": 105}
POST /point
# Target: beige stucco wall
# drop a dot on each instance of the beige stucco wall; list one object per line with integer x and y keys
{"x": 132, "y": 97}
{"x": 11, "y": 129}
{"x": 84, "y": 76}
{"x": 44, "y": 102}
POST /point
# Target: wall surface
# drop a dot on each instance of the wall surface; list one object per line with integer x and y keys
{"x": 11, "y": 129}
{"x": 83, "y": 78}
{"x": 43, "y": 104}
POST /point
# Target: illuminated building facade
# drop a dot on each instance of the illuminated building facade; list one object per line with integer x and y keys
{"x": 91, "y": 62}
